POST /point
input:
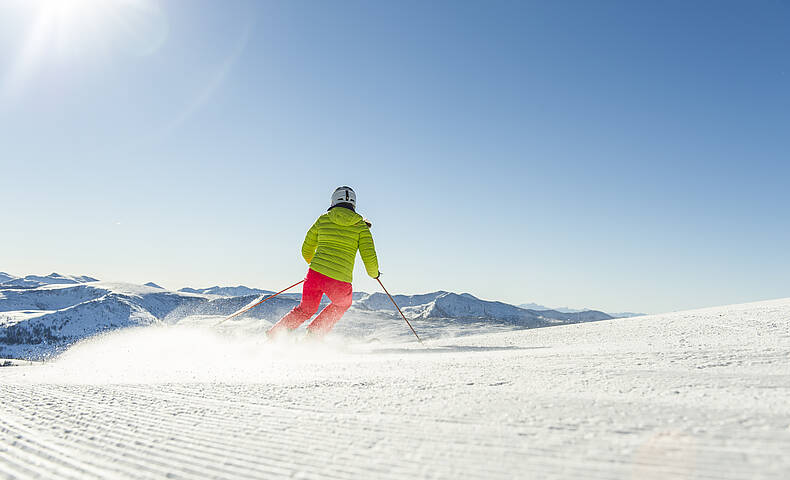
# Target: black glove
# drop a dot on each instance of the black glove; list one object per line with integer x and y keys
{"x": 377, "y": 276}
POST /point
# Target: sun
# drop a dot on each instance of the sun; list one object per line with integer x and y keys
{"x": 79, "y": 31}
{"x": 73, "y": 10}
{"x": 80, "y": 25}
{"x": 76, "y": 25}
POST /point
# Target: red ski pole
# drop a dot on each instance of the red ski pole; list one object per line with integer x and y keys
{"x": 250, "y": 307}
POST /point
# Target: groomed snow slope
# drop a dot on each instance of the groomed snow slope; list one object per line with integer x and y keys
{"x": 700, "y": 394}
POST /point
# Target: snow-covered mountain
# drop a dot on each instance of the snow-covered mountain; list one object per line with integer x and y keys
{"x": 379, "y": 301}
{"x": 4, "y": 277}
{"x": 627, "y": 314}
{"x": 41, "y": 320}
{"x": 54, "y": 311}
{"x": 539, "y": 307}
{"x": 466, "y": 306}
{"x": 237, "y": 291}
{"x": 535, "y": 306}
{"x": 39, "y": 280}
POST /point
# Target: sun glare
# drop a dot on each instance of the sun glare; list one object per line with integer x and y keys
{"x": 78, "y": 25}
{"x": 77, "y": 31}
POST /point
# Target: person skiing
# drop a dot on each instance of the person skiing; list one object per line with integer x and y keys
{"x": 330, "y": 249}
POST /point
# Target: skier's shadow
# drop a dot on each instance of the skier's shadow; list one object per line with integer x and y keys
{"x": 452, "y": 349}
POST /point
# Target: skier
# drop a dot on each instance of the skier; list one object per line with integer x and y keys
{"x": 330, "y": 248}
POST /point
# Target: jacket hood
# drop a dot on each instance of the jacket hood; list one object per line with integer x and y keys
{"x": 344, "y": 216}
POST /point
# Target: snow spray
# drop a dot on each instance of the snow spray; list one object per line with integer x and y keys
{"x": 183, "y": 354}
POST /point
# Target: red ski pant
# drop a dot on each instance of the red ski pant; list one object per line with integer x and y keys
{"x": 315, "y": 286}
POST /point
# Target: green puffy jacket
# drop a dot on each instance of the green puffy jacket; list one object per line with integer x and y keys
{"x": 331, "y": 245}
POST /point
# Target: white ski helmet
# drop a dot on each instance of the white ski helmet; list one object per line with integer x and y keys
{"x": 344, "y": 195}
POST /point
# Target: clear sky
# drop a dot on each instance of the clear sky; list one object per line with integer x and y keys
{"x": 616, "y": 155}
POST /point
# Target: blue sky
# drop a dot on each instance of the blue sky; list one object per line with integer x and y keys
{"x": 616, "y": 155}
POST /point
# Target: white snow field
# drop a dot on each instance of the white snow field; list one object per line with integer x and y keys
{"x": 702, "y": 394}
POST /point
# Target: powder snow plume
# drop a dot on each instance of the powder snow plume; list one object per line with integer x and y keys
{"x": 180, "y": 353}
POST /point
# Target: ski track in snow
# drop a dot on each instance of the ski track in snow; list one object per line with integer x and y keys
{"x": 698, "y": 395}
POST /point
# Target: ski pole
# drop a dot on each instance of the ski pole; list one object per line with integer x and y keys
{"x": 401, "y": 313}
{"x": 250, "y": 307}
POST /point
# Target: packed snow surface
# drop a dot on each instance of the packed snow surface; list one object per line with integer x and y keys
{"x": 700, "y": 394}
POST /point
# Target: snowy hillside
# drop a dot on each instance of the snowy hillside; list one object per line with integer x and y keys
{"x": 687, "y": 395}
{"x": 38, "y": 322}
{"x": 54, "y": 311}
{"x": 43, "y": 320}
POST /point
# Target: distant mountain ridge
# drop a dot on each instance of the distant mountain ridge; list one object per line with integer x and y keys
{"x": 443, "y": 304}
{"x": 236, "y": 291}
{"x": 41, "y": 315}
{"x": 7, "y": 280}
{"x": 539, "y": 307}
{"x": 627, "y": 314}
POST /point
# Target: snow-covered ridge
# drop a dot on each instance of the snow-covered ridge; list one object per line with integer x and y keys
{"x": 226, "y": 291}
{"x": 31, "y": 281}
{"x": 452, "y": 305}
{"x": 543, "y": 308}
{"x": 4, "y": 277}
